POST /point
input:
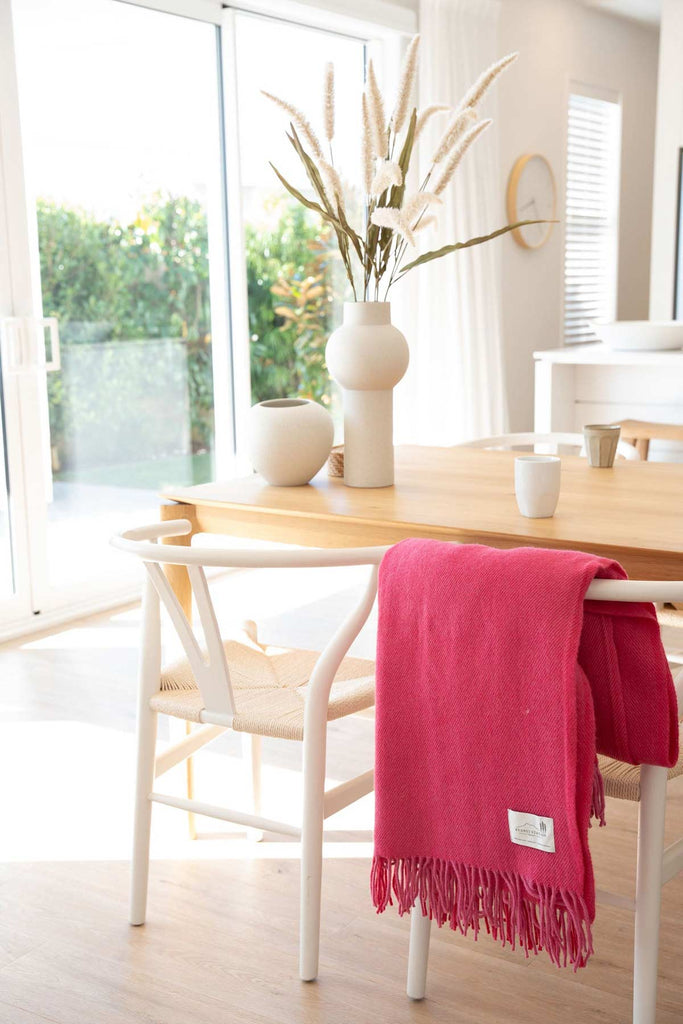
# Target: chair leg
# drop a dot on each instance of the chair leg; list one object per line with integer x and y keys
{"x": 189, "y": 781}
{"x": 418, "y": 953}
{"x": 147, "y": 734}
{"x": 251, "y": 754}
{"x": 315, "y": 738}
{"x": 648, "y": 891}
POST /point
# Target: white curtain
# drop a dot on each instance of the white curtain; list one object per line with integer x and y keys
{"x": 450, "y": 309}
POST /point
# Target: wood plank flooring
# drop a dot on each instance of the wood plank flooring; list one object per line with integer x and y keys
{"x": 220, "y": 944}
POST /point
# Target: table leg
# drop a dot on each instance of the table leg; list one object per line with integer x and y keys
{"x": 180, "y": 582}
{"x": 177, "y": 574}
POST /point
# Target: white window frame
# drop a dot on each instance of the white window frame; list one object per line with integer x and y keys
{"x": 386, "y": 40}
{"x": 198, "y": 10}
{"x": 596, "y": 92}
{"x": 355, "y": 17}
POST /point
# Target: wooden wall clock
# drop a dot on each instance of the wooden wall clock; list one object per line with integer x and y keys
{"x": 531, "y": 195}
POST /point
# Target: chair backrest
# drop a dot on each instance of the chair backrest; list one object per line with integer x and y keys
{"x": 209, "y": 667}
{"x": 213, "y": 676}
{"x": 545, "y": 442}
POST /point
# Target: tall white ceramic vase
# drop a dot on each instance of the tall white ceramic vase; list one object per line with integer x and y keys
{"x": 367, "y": 357}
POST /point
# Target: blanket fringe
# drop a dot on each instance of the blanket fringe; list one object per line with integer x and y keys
{"x": 513, "y": 910}
{"x": 598, "y": 796}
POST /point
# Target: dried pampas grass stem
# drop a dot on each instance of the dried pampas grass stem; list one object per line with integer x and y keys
{"x": 333, "y": 185}
{"x": 416, "y": 203}
{"x": 426, "y": 114}
{"x": 378, "y": 130}
{"x": 301, "y": 122}
{"x": 374, "y": 254}
{"x": 406, "y": 86}
{"x": 460, "y": 150}
{"x": 475, "y": 94}
{"x": 329, "y": 102}
{"x": 388, "y": 217}
{"x": 366, "y": 148}
{"x": 387, "y": 174}
{"x": 456, "y": 129}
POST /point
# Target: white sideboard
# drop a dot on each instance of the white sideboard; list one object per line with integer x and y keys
{"x": 594, "y": 384}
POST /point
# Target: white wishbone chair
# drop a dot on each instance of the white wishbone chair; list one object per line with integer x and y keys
{"x": 209, "y": 688}
{"x": 545, "y": 441}
{"x": 647, "y": 785}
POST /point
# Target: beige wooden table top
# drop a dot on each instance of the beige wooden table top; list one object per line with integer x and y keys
{"x": 631, "y": 512}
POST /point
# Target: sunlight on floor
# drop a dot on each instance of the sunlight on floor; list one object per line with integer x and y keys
{"x": 89, "y": 638}
{"x": 78, "y": 782}
{"x": 68, "y": 743}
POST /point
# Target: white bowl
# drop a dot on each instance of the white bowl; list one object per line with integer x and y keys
{"x": 641, "y": 335}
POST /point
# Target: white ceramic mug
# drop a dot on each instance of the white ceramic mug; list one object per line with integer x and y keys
{"x": 537, "y": 485}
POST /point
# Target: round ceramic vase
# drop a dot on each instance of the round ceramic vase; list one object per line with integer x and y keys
{"x": 289, "y": 440}
{"x": 367, "y": 356}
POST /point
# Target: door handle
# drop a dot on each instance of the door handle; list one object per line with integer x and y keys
{"x": 24, "y": 355}
{"x": 23, "y": 344}
{"x": 54, "y": 362}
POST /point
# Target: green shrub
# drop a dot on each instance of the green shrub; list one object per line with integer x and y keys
{"x": 109, "y": 282}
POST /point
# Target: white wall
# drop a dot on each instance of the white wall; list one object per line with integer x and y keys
{"x": 669, "y": 141}
{"x": 560, "y": 41}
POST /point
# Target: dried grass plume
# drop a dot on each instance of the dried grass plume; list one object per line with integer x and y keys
{"x": 387, "y": 174}
{"x": 388, "y": 217}
{"x": 406, "y": 85}
{"x": 376, "y": 259}
{"x": 425, "y": 222}
{"x": 475, "y": 94}
{"x": 459, "y": 152}
{"x": 300, "y": 121}
{"x": 456, "y": 129}
{"x": 333, "y": 184}
{"x": 426, "y": 114}
{"x": 329, "y": 101}
{"x": 378, "y": 122}
{"x": 366, "y": 148}
{"x": 416, "y": 203}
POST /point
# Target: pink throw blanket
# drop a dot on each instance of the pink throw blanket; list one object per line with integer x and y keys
{"x": 495, "y": 685}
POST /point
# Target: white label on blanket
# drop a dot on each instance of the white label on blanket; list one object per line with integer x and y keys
{"x": 532, "y": 830}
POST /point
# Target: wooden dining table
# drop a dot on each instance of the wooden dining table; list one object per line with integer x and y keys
{"x": 632, "y": 512}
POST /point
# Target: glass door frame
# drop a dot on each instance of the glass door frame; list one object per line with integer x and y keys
{"x": 19, "y": 297}
{"x": 385, "y": 28}
{"x": 36, "y": 603}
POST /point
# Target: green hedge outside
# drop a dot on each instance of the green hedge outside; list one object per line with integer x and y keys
{"x": 133, "y": 307}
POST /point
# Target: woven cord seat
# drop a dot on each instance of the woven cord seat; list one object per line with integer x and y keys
{"x": 623, "y": 780}
{"x": 671, "y": 617}
{"x": 269, "y": 684}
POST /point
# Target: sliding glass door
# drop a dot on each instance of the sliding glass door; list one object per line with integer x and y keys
{"x": 121, "y": 138}
{"x": 155, "y": 278}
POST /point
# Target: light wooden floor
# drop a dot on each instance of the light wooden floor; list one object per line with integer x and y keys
{"x": 220, "y": 943}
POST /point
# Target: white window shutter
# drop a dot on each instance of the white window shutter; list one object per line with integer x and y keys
{"x": 592, "y": 214}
